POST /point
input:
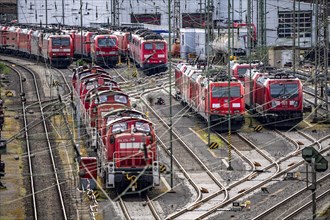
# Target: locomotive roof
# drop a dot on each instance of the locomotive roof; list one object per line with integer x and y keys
{"x": 214, "y": 74}
{"x": 92, "y": 77}
{"x": 92, "y": 93}
{"x": 219, "y": 75}
{"x": 119, "y": 112}
{"x": 108, "y": 92}
{"x": 126, "y": 119}
{"x": 147, "y": 34}
{"x": 276, "y": 75}
{"x": 96, "y": 76}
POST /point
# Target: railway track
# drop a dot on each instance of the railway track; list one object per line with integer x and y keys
{"x": 199, "y": 206}
{"x": 45, "y": 181}
{"x": 284, "y": 164}
{"x": 188, "y": 162}
{"x": 295, "y": 203}
{"x": 138, "y": 208}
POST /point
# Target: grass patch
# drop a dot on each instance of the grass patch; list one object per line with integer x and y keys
{"x": 13, "y": 180}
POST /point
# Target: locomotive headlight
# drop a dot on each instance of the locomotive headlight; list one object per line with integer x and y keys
{"x": 295, "y": 104}
{"x": 275, "y": 103}
{"x": 111, "y": 168}
{"x": 215, "y": 105}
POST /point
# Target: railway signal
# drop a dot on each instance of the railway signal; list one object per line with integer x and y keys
{"x": 320, "y": 163}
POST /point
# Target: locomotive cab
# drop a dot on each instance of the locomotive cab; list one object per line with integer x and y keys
{"x": 131, "y": 153}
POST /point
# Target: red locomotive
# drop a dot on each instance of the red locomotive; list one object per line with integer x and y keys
{"x": 50, "y": 45}
{"x": 3, "y": 37}
{"x": 238, "y": 70}
{"x": 124, "y": 139}
{"x": 101, "y": 48}
{"x": 276, "y": 97}
{"x": 208, "y": 97}
{"x": 24, "y": 41}
{"x": 148, "y": 51}
{"x": 11, "y": 40}
{"x": 57, "y": 49}
{"x": 82, "y": 43}
{"x": 104, "y": 50}
{"x": 129, "y": 158}
{"x": 123, "y": 40}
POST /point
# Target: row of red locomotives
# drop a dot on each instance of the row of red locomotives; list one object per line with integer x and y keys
{"x": 124, "y": 139}
{"x": 59, "y": 46}
{"x": 50, "y": 46}
{"x": 274, "y": 96}
{"x": 212, "y": 95}
{"x": 147, "y": 50}
{"x": 99, "y": 47}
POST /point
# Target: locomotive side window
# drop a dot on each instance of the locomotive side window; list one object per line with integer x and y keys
{"x": 284, "y": 90}
{"x": 148, "y": 46}
{"x": 160, "y": 46}
{"x": 222, "y": 92}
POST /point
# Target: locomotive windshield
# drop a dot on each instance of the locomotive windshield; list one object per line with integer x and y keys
{"x": 160, "y": 46}
{"x": 142, "y": 126}
{"x": 242, "y": 71}
{"x": 119, "y": 127}
{"x": 101, "y": 99}
{"x": 222, "y": 92}
{"x": 284, "y": 90}
{"x": 148, "y": 46}
{"x": 121, "y": 99}
{"x": 61, "y": 41}
{"x": 106, "y": 42}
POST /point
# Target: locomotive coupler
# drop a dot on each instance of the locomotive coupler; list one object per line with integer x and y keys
{"x": 133, "y": 180}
